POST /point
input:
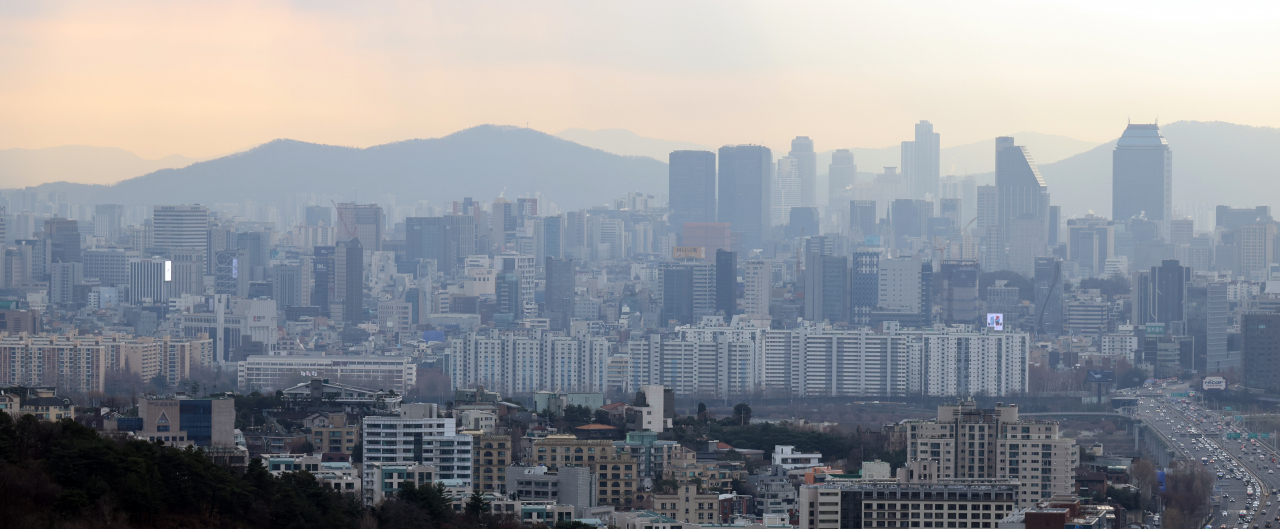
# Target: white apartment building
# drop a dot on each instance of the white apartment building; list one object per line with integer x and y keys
{"x": 417, "y": 435}
{"x": 279, "y": 372}
{"x": 757, "y": 286}
{"x": 960, "y": 362}
{"x": 787, "y": 457}
{"x": 512, "y": 364}
{"x": 967, "y": 442}
{"x": 1119, "y": 345}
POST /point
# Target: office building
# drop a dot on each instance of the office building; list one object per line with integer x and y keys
{"x": 188, "y": 422}
{"x": 363, "y": 222}
{"x": 1048, "y": 283}
{"x": 148, "y": 282}
{"x": 1142, "y": 176}
{"x": 727, "y": 283}
{"x": 319, "y": 216}
{"x": 807, "y": 169}
{"x": 802, "y": 222}
{"x": 848, "y": 504}
{"x": 960, "y": 292}
{"x": 688, "y": 292}
{"x": 826, "y": 280}
{"x": 863, "y": 220}
{"x": 920, "y": 162}
{"x": 348, "y": 282}
{"x": 180, "y": 227}
{"x": 786, "y": 190}
{"x": 842, "y": 174}
{"x": 1023, "y": 207}
{"x": 864, "y": 286}
{"x": 449, "y": 240}
{"x": 745, "y": 185}
{"x": 1090, "y": 242}
{"x": 63, "y": 237}
{"x": 1260, "y": 350}
{"x": 1236, "y": 218}
{"x": 108, "y": 221}
{"x": 691, "y": 186}
{"x": 398, "y": 373}
{"x": 559, "y": 292}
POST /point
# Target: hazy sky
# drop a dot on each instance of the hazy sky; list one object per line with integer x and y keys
{"x": 206, "y": 78}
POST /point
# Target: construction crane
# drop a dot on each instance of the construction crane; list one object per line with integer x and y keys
{"x": 346, "y": 226}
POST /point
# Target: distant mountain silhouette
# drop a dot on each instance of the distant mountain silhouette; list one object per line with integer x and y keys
{"x": 78, "y": 163}
{"x": 479, "y": 162}
{"x": 627, "y": 143}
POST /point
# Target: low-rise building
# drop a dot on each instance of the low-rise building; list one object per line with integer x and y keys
{"x": 188, "y": 422}
{"x": 958, "y": 504}
{"x": 787, "y": 457}
{"x": 48, "y": 408}
{"x": 383, "y": 480}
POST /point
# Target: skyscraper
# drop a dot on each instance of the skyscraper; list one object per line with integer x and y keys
{"x": 841, "y": 175}
{"x": 448, "y": 240}
{"x": 786, "y": 190}
{"x": 826, "y": 280}
{"x": 108, "y": 219}
{"x": 691, "y": 183}
{"x": 1023, "y": 206}
{"x": 184, "y": 227}
{"x": 559, "y": 293}
{"x": 1048, "y": 294}
{"x": 349, "y": 280}
{"x": 1142, "y": 176}
{"x": 807, "y": 167}
{"x": 727, "y": 283}
{"x": 64, "y": 237}
{"x": 862, "y": 219}
{"x": 744, "y": 191}
{"x": 361, "y": 221}
{"x": 920, "y": 161}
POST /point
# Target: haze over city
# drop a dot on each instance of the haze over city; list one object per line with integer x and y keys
{"x": 639, "y": 265}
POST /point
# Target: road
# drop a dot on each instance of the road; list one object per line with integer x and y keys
{"x": 1199, "y": 433}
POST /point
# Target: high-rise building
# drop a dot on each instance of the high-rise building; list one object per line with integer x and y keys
{"x": 1090, "y": 242}
{"x": 64, "y": 239}
{"x": 807, "y": 169}
{"x": 864, "y": 286}
{"x": 826, "y": 280}
{"x": 1023, "y": 207}
{"x": 1257, "y": 244}
{"x": 1142, "y": 176}
{"x": 960, "y": 291}
{"x": 1161, "y": 297}
{"x": 184, "y": 226}
{"x": 448, "y": 240}
{"x": 862, "y": 219}
{"x": 757, "y": 287}
{"x": 349, "y": 281}
{"x": 907, "y": 219}
{"x": 559, "y": 292}
{"x": 108, "y": 220}
{"x": 920, "y": 162}
{"x": 1260, "y": 350}
{"x": 842, "y": 174}
{"x": 1048, "y": 296}
{"x": 691, "y": 186}
{"x": 147, "y": 283}
{"x": 1236, "y": 218}
{"x": 62, "y": 281}
{"x": 802, "y": 222}
{"x": 361, "y": 221}
{"x": 319, "y": 216}
{"x": 744, "y": 191}
{"x": 727, "y": 283}
{"x": 786, "y": 190}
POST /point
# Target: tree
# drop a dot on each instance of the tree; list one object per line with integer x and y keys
{"x": 307, "y": 447}
{"x": 477, "y": 504}
{"x": 1144, "y": 477}
{"x": 741, "y": 413}
{"x": 602, "y": 417}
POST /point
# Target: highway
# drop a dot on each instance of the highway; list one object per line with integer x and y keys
{"x": 1198, "y": 433}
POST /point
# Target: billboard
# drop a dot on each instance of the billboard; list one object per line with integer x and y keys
{"x": 1100, "y": 375}
{"x": 995, "y": 321}
{"x": 680, "y": 252}
{"x": 1217, "y": 383}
